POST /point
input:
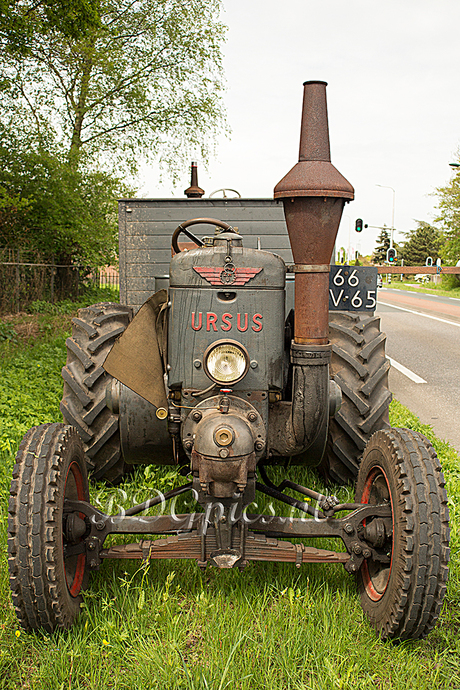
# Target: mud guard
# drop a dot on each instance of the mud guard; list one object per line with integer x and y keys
{"x": 137, "y": 358}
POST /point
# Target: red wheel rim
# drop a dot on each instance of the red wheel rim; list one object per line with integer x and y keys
{"x": 78, "y": 487}
{"x": 376, "y": 579}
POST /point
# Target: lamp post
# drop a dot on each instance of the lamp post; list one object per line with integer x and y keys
{"x": 349, "y": 238}
{"x": 392, "y": 213}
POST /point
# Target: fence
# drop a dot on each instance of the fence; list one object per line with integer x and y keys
{"x": 28, "y": 276}
{"x": 106, "y": 277}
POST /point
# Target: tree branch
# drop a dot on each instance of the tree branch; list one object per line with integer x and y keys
{"x": 32, "y": 109}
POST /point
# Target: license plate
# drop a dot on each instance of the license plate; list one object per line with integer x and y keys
{"x": 353, "y": 288}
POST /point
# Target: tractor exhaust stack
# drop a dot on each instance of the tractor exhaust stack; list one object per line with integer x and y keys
{"x": 194, "y": 191}
{"x": 313, "y": 194}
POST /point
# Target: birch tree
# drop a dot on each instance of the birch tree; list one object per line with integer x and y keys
{"x": 146, "y": 81}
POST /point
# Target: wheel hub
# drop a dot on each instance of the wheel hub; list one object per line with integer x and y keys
{"x": 74, "y": 528}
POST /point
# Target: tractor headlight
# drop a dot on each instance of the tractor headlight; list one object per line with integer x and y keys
{"x": 226, "y": 362}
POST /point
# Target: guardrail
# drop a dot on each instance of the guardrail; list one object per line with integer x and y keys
{"x": 409, "y": 270}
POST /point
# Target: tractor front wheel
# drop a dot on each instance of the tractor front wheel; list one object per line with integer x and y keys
{"x": 402, "y": 589}
{"x": 46, "y": 563}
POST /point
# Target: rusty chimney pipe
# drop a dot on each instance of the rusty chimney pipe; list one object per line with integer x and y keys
{"x": 194, "y": 192}
{"x": 314, "y": 194}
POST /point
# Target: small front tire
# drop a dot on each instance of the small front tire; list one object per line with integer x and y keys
{"x": 45, "y": 582}
{"x": 402, "y": 595}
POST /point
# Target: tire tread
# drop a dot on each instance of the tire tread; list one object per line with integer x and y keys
{"x": 34, "y": 530}
{"x": 411, "y": 605}
{"x": 360, "y": 368}
{"x": 83, "y": 404}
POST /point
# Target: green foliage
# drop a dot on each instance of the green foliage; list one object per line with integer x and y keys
{"x": 91, "y": 295}
{"x": 383, "y": 243}
{"x": 422, "y": 242}
{"x": 7, "y": 332}
{"x": 451, "y": 282}
{"x": 146, "y": 81}
{"x": 449, "y": 217}
{"x": 42, "y": 307}
{"x": 19, "y": 19}
{"x": 49, "y": 206}
{"x": 31, "y": 382}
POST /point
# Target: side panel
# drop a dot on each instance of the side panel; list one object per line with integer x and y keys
{"x": 122, "y": 234}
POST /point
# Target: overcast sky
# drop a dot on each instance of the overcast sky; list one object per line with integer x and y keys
{"x": 393, "y": 73}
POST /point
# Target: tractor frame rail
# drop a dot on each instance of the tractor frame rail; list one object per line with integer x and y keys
{"x": 225, "y": 535}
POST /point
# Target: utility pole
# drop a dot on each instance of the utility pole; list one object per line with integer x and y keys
{"x": 392, "y": 213}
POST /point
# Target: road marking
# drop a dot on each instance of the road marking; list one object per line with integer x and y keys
{"x": 407, "y": 372}
{"x": 419, "y": 313}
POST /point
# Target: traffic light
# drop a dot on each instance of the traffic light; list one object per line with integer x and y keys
{"x": 391, "y": 255}
{"x": 359, "y": 225}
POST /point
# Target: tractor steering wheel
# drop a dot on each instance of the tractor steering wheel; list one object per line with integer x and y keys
{"x": 195, "y": 221}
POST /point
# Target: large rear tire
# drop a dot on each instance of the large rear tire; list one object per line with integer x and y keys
{"x": 360, "y": 368}
{"x": 402, "y": 589}
{"x": 46, "y": 578}
{"x": 83, "y": 404}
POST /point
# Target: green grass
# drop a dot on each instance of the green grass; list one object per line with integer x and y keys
{"x": 428, "y": 288}
{"x": 168, "y": 625}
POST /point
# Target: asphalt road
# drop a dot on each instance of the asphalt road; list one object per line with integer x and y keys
{"x": 423, "y": 336}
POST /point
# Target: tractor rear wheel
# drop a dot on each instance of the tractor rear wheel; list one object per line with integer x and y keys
{"x": 83, "y": 405}
{"x": 360, "y": 368}
{"x": 46, "y": 578}
{"x": 402, "y": 589}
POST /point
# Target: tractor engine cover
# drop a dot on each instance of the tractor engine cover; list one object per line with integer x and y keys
{"x": 223, "y": 291}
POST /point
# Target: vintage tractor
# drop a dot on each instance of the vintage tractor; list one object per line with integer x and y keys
{"x": 221, "y": 376}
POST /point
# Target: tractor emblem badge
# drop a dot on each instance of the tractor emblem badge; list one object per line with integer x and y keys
{"x": 229, "y": 275}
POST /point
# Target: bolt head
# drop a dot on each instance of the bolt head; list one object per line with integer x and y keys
{"x": 348, "y": 528}
{"x": 188, "y": 445}
{"x": 197, "y": 415}
{"x": 224, "y": 452}
{"x": 259, "y": 445}
{"x": 252, "y": 416}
